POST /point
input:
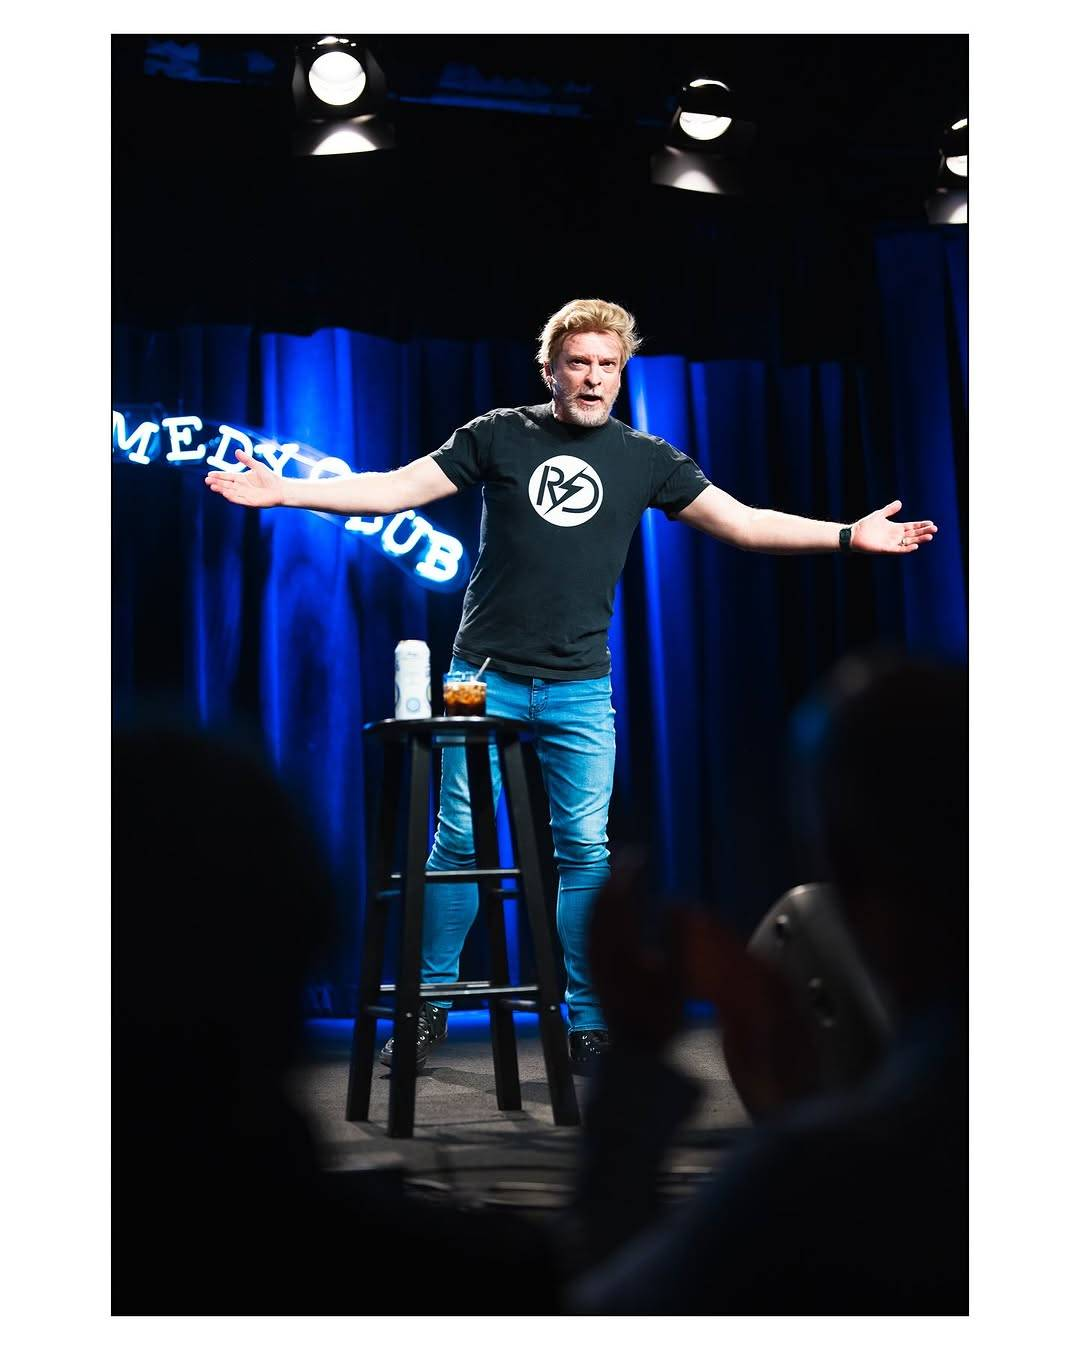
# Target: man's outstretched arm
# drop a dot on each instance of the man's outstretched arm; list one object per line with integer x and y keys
{"x": 760, "y": 531}
{"x": 358, "y": 494}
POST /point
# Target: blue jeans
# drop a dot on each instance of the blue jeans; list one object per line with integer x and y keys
{"x": 573, "y": 726}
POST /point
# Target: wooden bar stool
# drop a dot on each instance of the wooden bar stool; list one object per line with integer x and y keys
{"x": 411, "y": 742}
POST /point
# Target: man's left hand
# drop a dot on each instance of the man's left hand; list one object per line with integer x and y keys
{"x": 876, "y": 533}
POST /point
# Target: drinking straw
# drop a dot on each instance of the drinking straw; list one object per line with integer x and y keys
{"x": 482, "y": 668}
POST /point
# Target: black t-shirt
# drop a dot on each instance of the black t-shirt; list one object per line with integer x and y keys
{"x": 561, "y": 504}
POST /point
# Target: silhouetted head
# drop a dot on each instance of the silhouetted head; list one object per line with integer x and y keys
{"x": 882, "y": 750}
{"x": 220, "y": 905}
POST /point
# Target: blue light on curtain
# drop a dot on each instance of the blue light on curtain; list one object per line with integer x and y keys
{"x": 620, "y": 696}
{"x": 736, "y": 639}
{"x": 741, "y": 713}
{"x": 914, "y": 323}
{"x": 657, "y": 396}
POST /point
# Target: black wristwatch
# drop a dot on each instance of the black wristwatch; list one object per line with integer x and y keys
{"x": 845, "y": 538}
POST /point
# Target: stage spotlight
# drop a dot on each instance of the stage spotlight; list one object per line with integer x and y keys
{"x": 954, "y": 150}
{"x": 338, "y": 86}
{"x": 337, "y": 77}
{"x": 703, "y": 113}
{"x": 948, "y": 202}
{"x": 705, "y": 142}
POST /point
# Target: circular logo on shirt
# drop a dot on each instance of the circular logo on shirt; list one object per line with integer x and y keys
{"x": 564, "y": 490}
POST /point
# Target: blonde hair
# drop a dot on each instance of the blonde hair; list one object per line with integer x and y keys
{"x": 588, "y": 316}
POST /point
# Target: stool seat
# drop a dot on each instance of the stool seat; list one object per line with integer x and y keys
{"x": 412, "y": 741}
{"x": 446, "y": 730}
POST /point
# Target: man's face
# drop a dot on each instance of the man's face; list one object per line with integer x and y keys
{"x": 585, "y": 377}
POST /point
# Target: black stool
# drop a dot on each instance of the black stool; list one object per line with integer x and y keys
{"x": 415, "y": 739}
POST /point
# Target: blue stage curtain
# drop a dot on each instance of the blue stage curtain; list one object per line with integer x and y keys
{"x": 285, "y": 624}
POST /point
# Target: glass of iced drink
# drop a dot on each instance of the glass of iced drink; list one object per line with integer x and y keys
{"x": 464, "y": 696}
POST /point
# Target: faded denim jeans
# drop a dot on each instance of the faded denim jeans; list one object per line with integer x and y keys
{"x": 573, "y": 726}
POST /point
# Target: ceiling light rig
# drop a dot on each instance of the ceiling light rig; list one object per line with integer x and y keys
{"x": 948, "y": 202}
{"x": 705, "y": 141}
{"x": 338, "y": 88}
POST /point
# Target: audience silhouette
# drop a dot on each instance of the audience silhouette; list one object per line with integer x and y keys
{"x": 220, "y": 1206}
{"x": 852, "y": 1202}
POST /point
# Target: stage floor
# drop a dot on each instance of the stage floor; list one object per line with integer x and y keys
{"x": 466, "y": 1151}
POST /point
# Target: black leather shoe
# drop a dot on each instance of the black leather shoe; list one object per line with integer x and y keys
{"x": 586, "y": 1047}
{"x": 430, "y": 1032}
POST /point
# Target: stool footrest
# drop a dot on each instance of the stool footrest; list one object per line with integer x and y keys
{"x": 467, "y": 874}
{"x": 466, "y": 989}
{"x": 448, "y": 878}
{"x": 499, "y": 893}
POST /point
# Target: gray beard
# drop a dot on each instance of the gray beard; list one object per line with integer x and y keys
{"x": 582, "y": 417}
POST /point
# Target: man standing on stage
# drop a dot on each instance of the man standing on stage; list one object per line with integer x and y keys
{"x": 565, "y": 485}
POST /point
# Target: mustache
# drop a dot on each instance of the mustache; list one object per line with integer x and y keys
{"x": 557, "y": 388}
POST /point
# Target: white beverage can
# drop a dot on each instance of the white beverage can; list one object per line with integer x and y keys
{"x": 412, "y": 679}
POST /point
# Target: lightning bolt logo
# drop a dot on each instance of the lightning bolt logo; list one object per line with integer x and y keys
{"x": 565, "y": 491}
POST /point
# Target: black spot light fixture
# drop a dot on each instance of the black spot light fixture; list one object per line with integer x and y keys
{"x": 705, "y": 141}
{"x": 948, "y": 202}
{"x": 338, "y": 89}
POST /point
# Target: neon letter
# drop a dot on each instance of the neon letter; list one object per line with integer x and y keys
{"x": 329, "y": 465}
{"x": 180, "y": 429}
{"x": 277, "y": 456}
{"x": 440, "y": 562}
{"x": 139, "y": 438}
{"x": 364, "y": 524}
{"x": 228, "y": 435}
{"x": 393, "y": 545}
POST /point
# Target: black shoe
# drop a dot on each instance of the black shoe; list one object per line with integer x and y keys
{"x": 586, "y": 1047}
{"x": 430, "y": 1032}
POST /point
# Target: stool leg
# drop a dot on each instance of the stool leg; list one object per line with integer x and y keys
{"x": 407, "y": 1002}
{"x": 380, "y": 865}
{"x": 552, "y": 1032}
{"x": 486, "y": 850}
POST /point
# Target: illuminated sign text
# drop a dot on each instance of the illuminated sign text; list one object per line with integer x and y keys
{"x": 143, "y": 435}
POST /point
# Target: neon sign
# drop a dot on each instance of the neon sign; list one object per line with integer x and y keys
{"x": 142, "y": 435}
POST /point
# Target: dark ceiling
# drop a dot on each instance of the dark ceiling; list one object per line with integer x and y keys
{"x": 520, "y": 177}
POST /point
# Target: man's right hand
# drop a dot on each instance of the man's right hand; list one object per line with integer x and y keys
{"x": 257, "y": 487}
